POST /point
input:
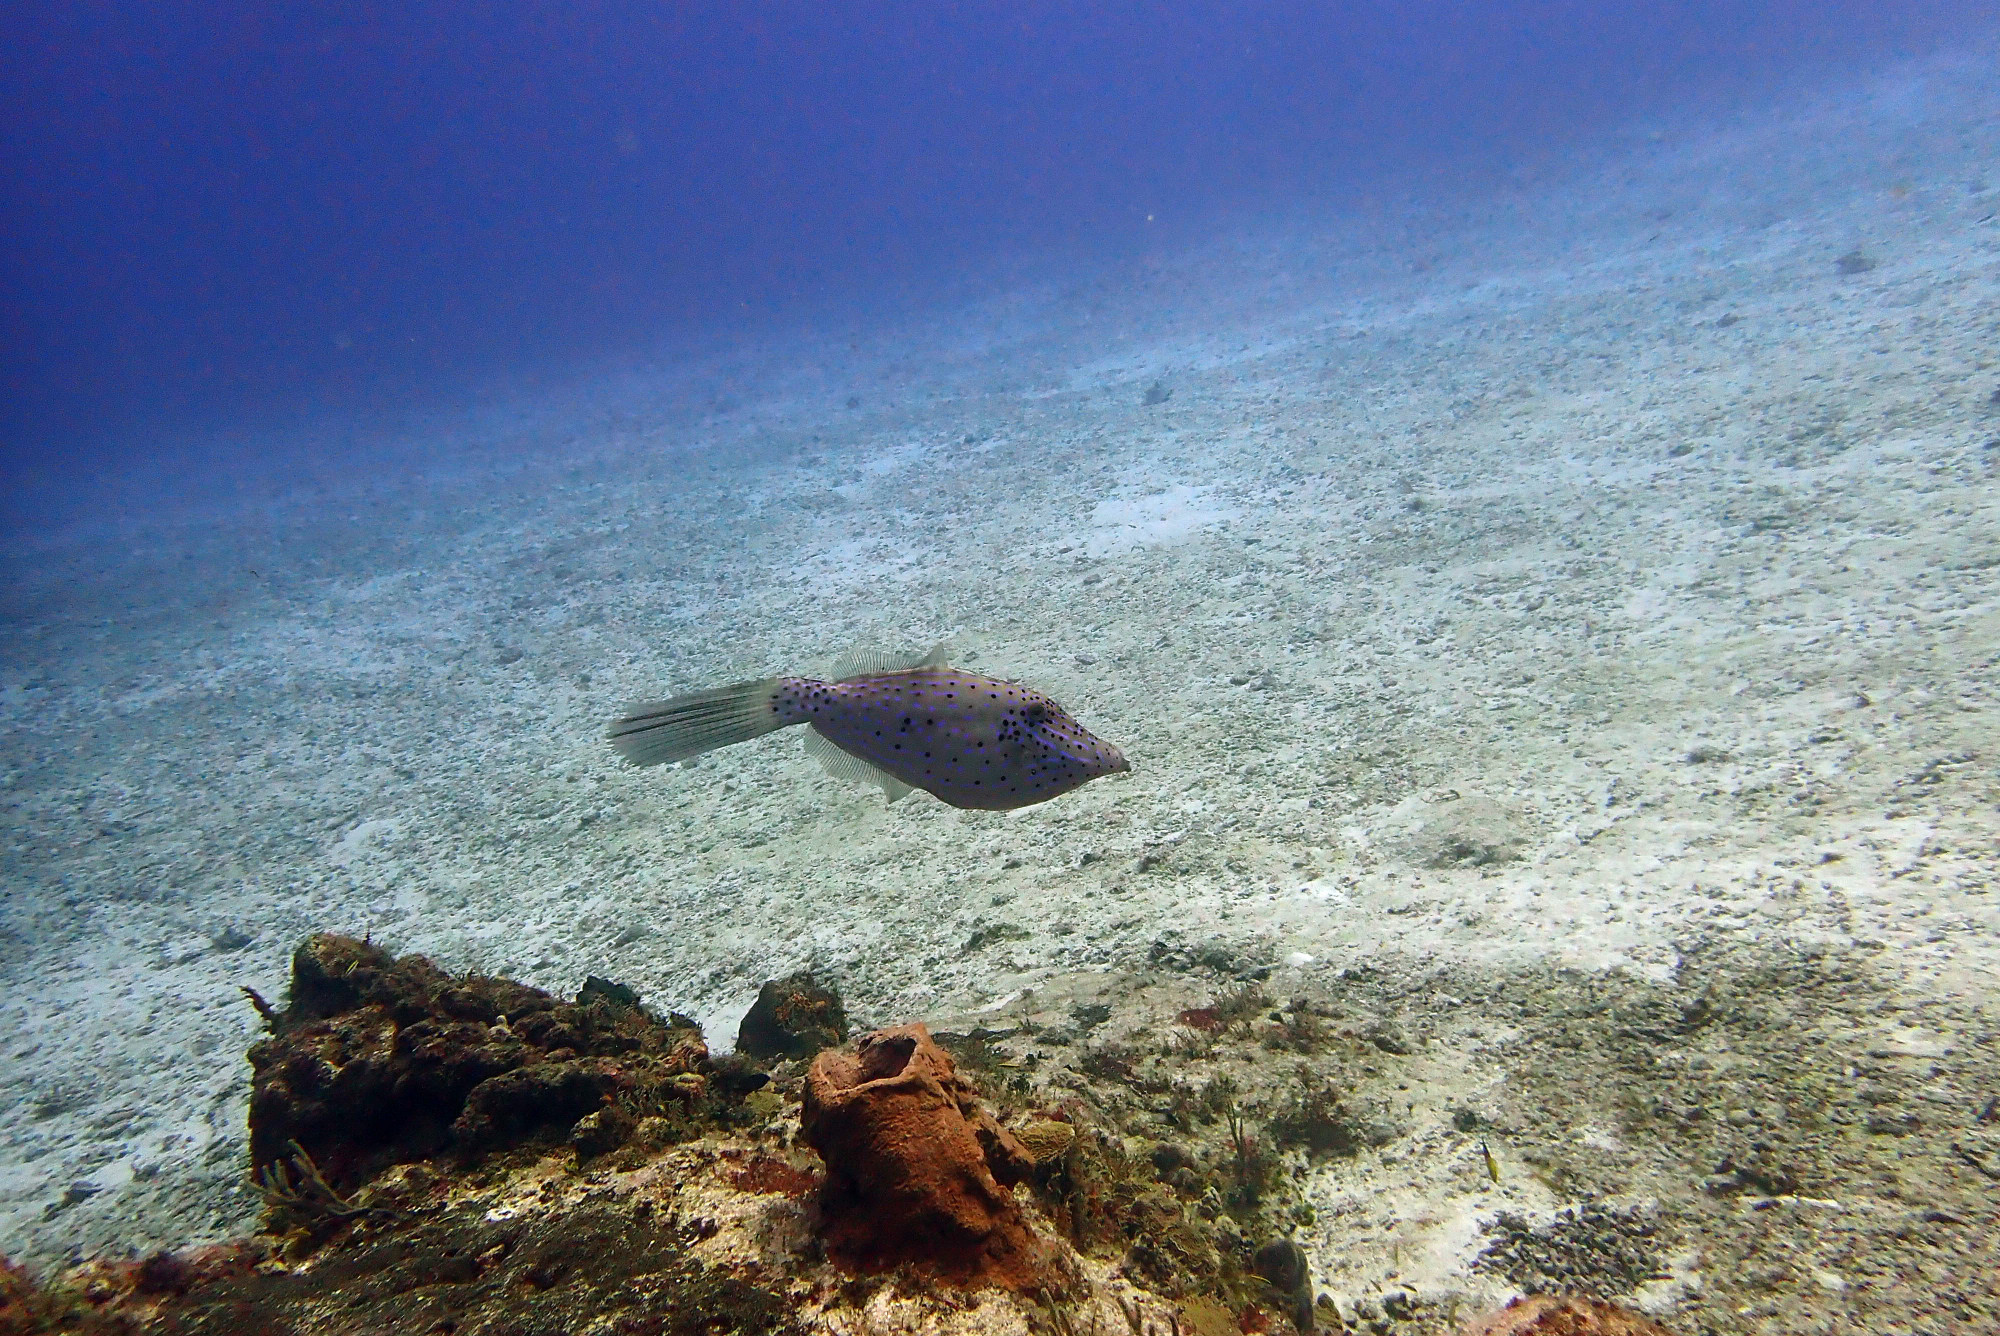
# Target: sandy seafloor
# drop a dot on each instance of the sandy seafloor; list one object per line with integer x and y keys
{"x": 1571, "y": 567}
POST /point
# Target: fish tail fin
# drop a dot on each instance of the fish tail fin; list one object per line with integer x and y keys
{"x": 673, "y": 730}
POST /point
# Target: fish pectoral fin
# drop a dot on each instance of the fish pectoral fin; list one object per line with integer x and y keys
{"x": 842, "y": 764}
{"x": 864, "y": 662}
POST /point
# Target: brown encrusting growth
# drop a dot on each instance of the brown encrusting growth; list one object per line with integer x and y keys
{"x": 918, "y": 1172}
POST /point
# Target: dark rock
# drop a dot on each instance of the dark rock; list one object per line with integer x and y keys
{"x": 1855, "y": 262}
{"x": 733, "y": 1075}
{"x": 918, "y": 1173}
{"x": 1282, "y": 1264}
{"x": 380, "y": 1061}
{"x": 793, "y": 1017}
{"x": 617, "y": 994}
{"x": 535, "y": 1099}
{"x": 601, "y": 1132}
{"x": 466, "y": 1004}
{"x": 1090, "y": 1015}
{"x": 163, "y": 1273}
{"x": 1389, "y": 1037}
{"x": 332, "y": 974}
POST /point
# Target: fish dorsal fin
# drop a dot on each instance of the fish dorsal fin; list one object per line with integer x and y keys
{"x": 846, "y": 765}
{"x": 862, "y": 662}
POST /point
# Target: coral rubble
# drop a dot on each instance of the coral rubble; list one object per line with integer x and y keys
{"x": 1548, "y": 1315}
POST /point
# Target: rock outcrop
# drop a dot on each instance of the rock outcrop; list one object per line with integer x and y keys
{"x": 793, "y": 1017}
{"x": 379, "y": 1061}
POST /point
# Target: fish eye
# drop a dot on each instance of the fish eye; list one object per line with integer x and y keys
{"x": 1035, "y": 712}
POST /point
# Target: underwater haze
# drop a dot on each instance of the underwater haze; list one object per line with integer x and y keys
{"x": 1492, "y": 508}
{"x": 228, "y": 225}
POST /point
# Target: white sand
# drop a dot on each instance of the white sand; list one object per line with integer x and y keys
{"x": 1468, "y": 519}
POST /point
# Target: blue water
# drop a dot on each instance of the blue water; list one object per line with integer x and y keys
{"x": 1514, "y": 479}
{"x": 226, "y": 222}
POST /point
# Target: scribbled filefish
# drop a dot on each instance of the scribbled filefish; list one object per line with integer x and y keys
{"x": 969, "y": 740}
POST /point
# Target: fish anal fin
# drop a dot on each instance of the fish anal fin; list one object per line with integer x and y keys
{"x": 843, "y": 764}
